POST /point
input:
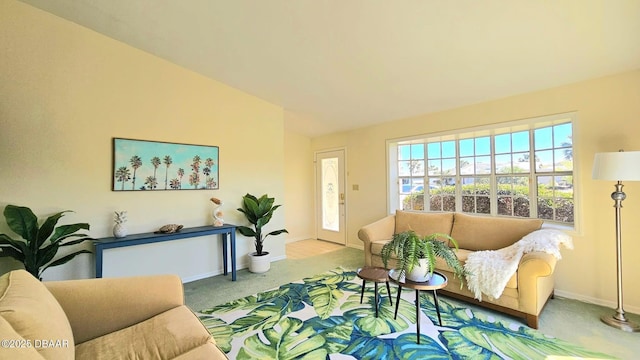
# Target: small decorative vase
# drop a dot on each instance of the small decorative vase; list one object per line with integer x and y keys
{"x": 119, "y": 230}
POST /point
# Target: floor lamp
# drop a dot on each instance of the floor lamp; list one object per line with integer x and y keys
{"x": 618, "y": 166}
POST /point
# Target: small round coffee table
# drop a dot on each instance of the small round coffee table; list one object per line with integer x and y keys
{"x": 437, "y": 282}
{"x": 377, "y": 275}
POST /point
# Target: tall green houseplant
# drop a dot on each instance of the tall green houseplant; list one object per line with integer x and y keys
{"x": 39, "y": 245}
{"x": 259, "y": 212}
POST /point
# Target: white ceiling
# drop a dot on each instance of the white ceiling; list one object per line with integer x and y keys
{"x": 335, "y": 65}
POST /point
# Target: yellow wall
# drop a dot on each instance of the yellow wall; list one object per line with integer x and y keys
{"x": 608, "y": 119}
{"x": 66, "y": 91}
{"x": 299, "y": 188}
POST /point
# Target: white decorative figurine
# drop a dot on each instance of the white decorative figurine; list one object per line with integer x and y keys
{"x": 120, "y": 229}
{"x": 217, "y": 213}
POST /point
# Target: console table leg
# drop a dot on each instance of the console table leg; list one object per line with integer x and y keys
{"x": 224, "y": 254}
{"x": 98, "y": 262}
{"x": 233, "y": 255}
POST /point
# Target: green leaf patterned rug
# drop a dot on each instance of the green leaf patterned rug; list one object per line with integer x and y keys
{"x": 321, "y": 317}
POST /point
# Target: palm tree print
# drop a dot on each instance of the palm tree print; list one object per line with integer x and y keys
{"x": 136, "y": 162}
{"x": 208, "y": 163}
{"x": 167, "y": 162}
{"x": 123, "y": 175}
{"x": 151, "y": 182}
{"x": 155, "y": 161}
{"x": 194, "y": 178}
{"x": 180, "y": 175}
{"x": 140, "y": 163}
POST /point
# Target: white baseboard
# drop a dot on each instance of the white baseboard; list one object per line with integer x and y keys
{"x": 298, "y": 238}
{"x": 277, "y": 258}
{"x": 591, "y": 300}
{"x": 239, "y": 266}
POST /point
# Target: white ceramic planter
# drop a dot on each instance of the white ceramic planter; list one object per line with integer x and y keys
{"x": 259, "y": 264}
{"x": 420, "y": 273}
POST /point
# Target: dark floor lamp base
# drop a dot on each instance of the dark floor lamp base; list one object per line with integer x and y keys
{"x": 625, "y": 325}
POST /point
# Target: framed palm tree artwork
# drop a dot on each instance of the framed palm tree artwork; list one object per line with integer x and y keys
{"x": 153, "y": 165}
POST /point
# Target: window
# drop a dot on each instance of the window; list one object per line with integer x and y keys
{"x": 519, "y": 169}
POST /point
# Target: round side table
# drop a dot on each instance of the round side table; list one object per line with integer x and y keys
{"x": 437, "y": 282}
{"x": 377, "y": 275}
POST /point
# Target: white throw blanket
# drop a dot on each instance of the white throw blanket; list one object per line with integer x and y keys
{"x": 490, "y": 270}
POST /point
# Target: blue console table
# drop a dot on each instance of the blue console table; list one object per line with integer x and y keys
{"x": 228, "y": 231}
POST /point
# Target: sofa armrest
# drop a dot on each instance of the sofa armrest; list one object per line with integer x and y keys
{"x": 96, "y": 307}
{"x": 382, "y": 229}
{"x": 533, "y": 293}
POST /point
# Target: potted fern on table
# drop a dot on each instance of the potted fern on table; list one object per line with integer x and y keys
{"x": 416, "y": 255}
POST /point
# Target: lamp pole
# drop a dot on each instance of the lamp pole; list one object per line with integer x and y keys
{"x": 618, "y": 320}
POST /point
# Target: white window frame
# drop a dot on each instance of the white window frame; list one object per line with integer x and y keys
{"x": 393, "y": 184}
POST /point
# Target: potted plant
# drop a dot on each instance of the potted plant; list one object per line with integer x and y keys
{"x": 416, "y": 255}
{"x": 259, "y": 212}
{"x": 39, "y": 245}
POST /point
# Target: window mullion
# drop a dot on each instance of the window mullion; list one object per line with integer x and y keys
{"x": 533, "y": 180}
{"x": 493, "y": 186}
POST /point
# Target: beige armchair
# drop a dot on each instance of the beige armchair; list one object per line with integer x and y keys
{"x": 111, "y": 318}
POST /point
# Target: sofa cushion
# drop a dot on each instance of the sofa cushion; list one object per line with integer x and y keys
{"x": 16, "y": 349}
{"x": 490, "y": 233}
{"x": 164, "y": 336}
{"x": 34, "y": 314}
{"x": 423, "y": 223}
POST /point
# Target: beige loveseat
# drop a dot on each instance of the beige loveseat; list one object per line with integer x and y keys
{"x": 528, "y": 289}
{"x": 111, "y": 318}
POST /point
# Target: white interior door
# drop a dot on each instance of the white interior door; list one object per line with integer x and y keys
{"x": 330, "y": 196}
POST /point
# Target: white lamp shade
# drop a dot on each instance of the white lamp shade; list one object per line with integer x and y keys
{"x": 617, "y": 166}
